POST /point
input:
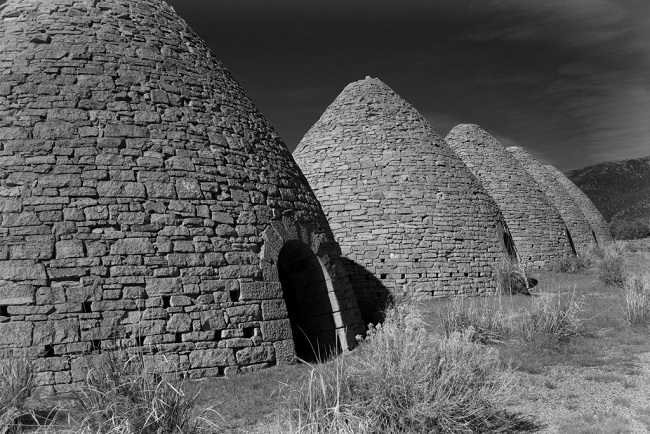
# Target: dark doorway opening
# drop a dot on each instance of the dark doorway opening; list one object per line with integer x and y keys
{"x": 507, "y": 244}
{"x": 568, "y": 235}
{"x": 306, "y": 290}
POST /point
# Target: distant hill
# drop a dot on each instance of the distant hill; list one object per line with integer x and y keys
{"x": 619, "y": 189}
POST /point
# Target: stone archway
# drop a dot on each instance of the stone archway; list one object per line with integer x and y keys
{"x": 306, "y": 291}
{"x": 320, "y": 302}
{"x": 568, "y": 235}
{"x": 507, "y": 243}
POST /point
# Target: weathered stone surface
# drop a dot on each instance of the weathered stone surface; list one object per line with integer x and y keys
{"x": 210, "y": 358}
{"x": 253, "y": 355}
{"x": 247, "y": 313}
{"x": 579, "y": 229}
{"x": 121, "y": 189}
{"x": 22, "y": 271}
{"x": 69, "y": 249}
{"x": 537, "y": 229}
{"x": 16, "y": 334}
{"x": 132, "y": 246}
{"x": 56, "y": 332}
{"x": 12, "y": 294}
{"x": 598, "y": 223}
{"x": 130, "y": 168}
{"x": 404, "y": 208}
{"x": 276, "y": 330}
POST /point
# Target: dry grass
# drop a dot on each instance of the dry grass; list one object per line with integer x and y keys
{"x": 511, "y": 277}
{"x": 16, "y": 387}
{"x": 405, "y": 380}
{"x": 635, "y": 300}
{"x": 552, "y": 319}
{"x": 612, "y": 266}
{"x": 120, "y": 395}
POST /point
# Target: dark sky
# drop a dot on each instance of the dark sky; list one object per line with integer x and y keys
{"x": 567, "y": 79}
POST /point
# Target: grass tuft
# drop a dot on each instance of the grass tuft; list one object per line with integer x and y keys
{"x": 635, "y": 300}
{"x": 120, "y": 394}
{"x": 490, "y": 322}
{"x": 510, "y": 277}
{"x": 612, "y": 266}
{"x": 16, "y": 387}
{"x": 553, "y": 319}
{"x": 405, "y": 380}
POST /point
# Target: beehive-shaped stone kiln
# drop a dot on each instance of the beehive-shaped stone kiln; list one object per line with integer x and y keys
{"x": 408, "y": 214}
{"x": 579, "y": 229}
{"x": 599, "y": 225}
{"x": 146, "y": 202}
{"x": 537, "y": 229}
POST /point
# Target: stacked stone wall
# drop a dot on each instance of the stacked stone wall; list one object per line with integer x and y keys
{"x": 579, "y": 228}
{"x": 143, "y": 198}
{"x": 596, "y": 220}
{"x": 407, "y": 213}
{"x": 537, "y": 228}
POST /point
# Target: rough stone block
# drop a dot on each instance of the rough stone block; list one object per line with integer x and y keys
{"x": 239, "y": 271}
{"x": 212, "y": 358}
{"x": 252, "y": 355}
{"x": 53, "y": 130}
{"x": 285, "y": 352}
{"x": 242, "y": 258}
{"x": 12, "y": 294}
{"x": 276, "y": 330}
{"x": 132, "y": 246}
{"x": 163, "y": 285}
{"x": 261, "y": 290}
{"x": 242, "y": 314}
{"x": 212, "y": 320}
{"x": 161, "y": 190}
{"x": 56, "y": 332}
{"x": 69, "y": 249}
{"x": 16, "y": 334}
{"x": 20, "y": 219}
{"x": 121, "y": 130}
{"x": 22, "y": 270}
{"x": 274, "y": 309}
{"x": 121, "y": 189}
{"x": 179, "y": 323}
{"x": 188, "y": 188}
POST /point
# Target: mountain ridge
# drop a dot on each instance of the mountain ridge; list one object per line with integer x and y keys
{"x": 619, "y": 189}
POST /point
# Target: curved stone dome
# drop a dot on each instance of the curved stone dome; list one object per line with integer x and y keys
{"x": 598, "y": 223}
{"x": 580, "y": 231}
{"x": 146, "y": 202}
{"x": 537, "y": 229}
{"x": 407, "y": 213}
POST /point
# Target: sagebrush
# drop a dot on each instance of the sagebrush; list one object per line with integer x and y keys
{"x": 403, "y": 379}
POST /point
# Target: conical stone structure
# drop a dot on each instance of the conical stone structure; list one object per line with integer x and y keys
{"x": 407, "y": 213}
{"x": 598, "y": 223}
{"x": 146, "y": 202}
{"x": 537, "y": 229}
{"x": 579, "y": 229}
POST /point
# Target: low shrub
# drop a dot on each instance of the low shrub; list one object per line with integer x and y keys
{"x": 510, "y": 277}
{"x": 121, "y": 394}
{"x": 404, "y": 380}
{"x": 16, "y": 387}
{"x": 635, "y": 300}
{"x": 612, "y": 266}
{"x": 571, "y": 264}
{"x": 491, "y": 323}
{"x": 552, "y": 319}
{"x": 579, "y": 262}
{"x": 630, "y": 229}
